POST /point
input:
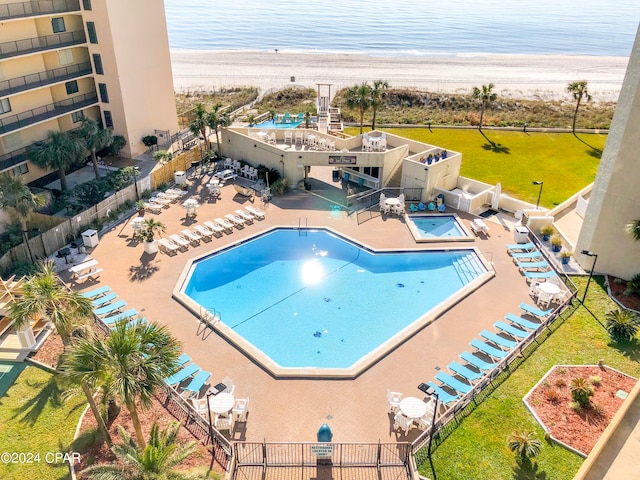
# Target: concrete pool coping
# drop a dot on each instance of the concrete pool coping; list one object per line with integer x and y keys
{"x": 260, "y": 358}
{"x": 468, "y": 237}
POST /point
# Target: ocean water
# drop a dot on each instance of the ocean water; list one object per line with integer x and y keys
{"x": 406, "y": 27}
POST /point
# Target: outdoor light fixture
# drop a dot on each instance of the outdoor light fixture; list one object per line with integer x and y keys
{"x": 541, "y": 183}
{"x": 589, "y": 253}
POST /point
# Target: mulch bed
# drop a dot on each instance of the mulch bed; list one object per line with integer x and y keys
{"x": 580, "y": 430}
{"x": 617, "y": 290}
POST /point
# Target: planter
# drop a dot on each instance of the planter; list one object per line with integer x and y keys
{"x": 545, "y": 238}
{"x": 565, "y": 260}
{"x": 556, "y": 248}
{"x": 151, "y": 247}
{"x": 429, "y": 161}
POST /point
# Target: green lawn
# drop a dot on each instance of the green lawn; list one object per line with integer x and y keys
{"x": 34, "y": 421}
{"x": 477, "y": 448}
{"x": 565, "y": 163}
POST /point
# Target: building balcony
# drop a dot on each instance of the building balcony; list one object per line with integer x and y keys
{"x": 40, "y": 44}
{"x": 41, "y": 79}
{"x": 46, "y": 112}
{"x": 12, "y": 159}
{"x": 10, "y": 11}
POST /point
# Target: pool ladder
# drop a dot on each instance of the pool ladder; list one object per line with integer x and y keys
{"x": 209, "y": 317}
{"x": 303, "y": 231}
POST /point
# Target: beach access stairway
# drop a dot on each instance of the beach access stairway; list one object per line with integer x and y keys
{"x": 468, "y": 267}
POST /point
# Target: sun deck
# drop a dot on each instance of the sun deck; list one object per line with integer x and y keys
{"x": 293, "y": 409}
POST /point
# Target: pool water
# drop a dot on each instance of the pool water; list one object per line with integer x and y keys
{"x": 313, "y": 299}
{"x": 272, "y": 124}
{"x": 445, "y": 226}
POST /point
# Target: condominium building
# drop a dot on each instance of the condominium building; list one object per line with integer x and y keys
{"x": 62, "y": 60}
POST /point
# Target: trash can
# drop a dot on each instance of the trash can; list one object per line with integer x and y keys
{"x": 335, "y": 175}
{"x": 180, "y": 177}
{"x": 521, "y": 234}
{"x": 90, "y": 238}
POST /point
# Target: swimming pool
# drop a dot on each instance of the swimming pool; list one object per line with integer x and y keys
{"x": 272, "y": 124}
{"x": 438, "y": 228}
{"x": 314, "y": 303}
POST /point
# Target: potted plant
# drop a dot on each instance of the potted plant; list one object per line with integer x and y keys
{"x": 140, "y": 207}
{"x": 547, "y": 231}
{"x": 556, "y": 243}
{"x": 430, "y": 159}
{"x": 148, "y": 231}
{"x": 565, "y": 255}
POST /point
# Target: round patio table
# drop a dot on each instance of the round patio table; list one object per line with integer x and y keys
{"x": 392, "y": 202}
{"x": 549, "y": 288}
{"x": 221, "y": 403}
{"x": 413, "y": 407}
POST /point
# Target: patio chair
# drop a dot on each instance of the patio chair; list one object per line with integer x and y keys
{"x": 201, "y": 405}
{"x": 465, "y": 372}
{"x": 422, "y": 207}
{"x": 524, "y": 247}
{"x": 181, "y": 375}
{"x": 230, "y": 387}
{"x": 153, "y": 207}
{"x": 235, "y": 219}
{"x": 402, "y": 422}
{"x": 132, "y": 323}
{"x": 221, "y": 422}
{"x": 204, "y": 232}
{"x": 184, "y": 358}
{"x": 413, "y": 208}
{"x": 244, "y": 215}
{"x": 511, "y": 330}
{"x": 112, "y": 307}
{"x": 487, "y": 349}
{"x": 193, "y": 237}
{"x": 166, "y": 246}
{"x": 431, "y": 206}
{"x": 393, "y": 401}
{"x": 100, "y": 301}
{"x": 215, "y": 227}
{"x": 196, "y": 383}
{"x": 443, "y": 396}
{"x": 498, "y": 340}
{"x": 228, "y": 226}
{"x": 477, "y": 362}
{"x": 132, "y": 312}
{"x": 179, "y": 240}
{"x": 521, "y": 321}
{"x": 453, "y": 383}
{"x": 538, "y": 275}
{"x": 96, "y": 292}
{"x": 255, "y": 211}
{"x": 527, "y": 256}
{"x": 535, "y": 311}
{"x": 544, "y": 299}
{"x": 240, "y": 409}
{"x": 526, "y": 266}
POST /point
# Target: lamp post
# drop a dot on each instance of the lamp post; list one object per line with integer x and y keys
{"x": 541, "y": 183}
{"x": 213, "y": 453}
{"x": 589, "y": 253}
{"x": 432, "y": 393}
{"x": 135, "y": 181}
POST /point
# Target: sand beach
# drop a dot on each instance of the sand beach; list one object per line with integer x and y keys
{"x": 517, "y": 76}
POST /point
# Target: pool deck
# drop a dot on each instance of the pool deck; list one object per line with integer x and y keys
{"x": 294, "y": 409}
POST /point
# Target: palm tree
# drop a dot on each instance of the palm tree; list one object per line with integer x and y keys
{"x": 59, "y": 151}
{"x": 524, "y": 443}
{"x": 485, "y": 96}
{"x": 378, "y": 92}
{"x": 622, "y": 324}
{"x": 94, "y": 139}
{"x": 579, "y": 91}
{"x": 359, "y": 97}
{"x": 199, "y": 125}
{"x": 15, "y": 195}
{"x": 46, "y": 297}
{"x": 134, "y": 360}
{"x": 154, "y": 461}
{"x": 217, "y": 118}
{"x": 82, "y": 365}
{"x": 633, "y": 229}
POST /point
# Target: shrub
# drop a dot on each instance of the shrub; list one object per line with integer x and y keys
{"x": 633, "y": 285}
{"x": 524, "y": 443}
{"x": 622, "y": 324}
{"x": 581, "y": 391}
{"x": 280, "y": 186}
{"x": 595, "y": 380}
{"x": 556, "y": 241}
{"x": 560, "y": 383}
{"x": 575, "y": 406}
{"x": 552, "y": 396}
{"x": 547, "y": 230}
{"x": 150, "y": 140}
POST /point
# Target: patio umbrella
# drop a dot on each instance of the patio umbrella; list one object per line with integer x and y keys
{"x": 495, "y": 200}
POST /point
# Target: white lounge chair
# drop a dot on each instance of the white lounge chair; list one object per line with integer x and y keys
{"x": 228, "y": 226}
{"x": 179, "y": 240}
{"x": 235, "y": 219}
{"x": 246, "y": 216}
{"x": 216, "y": 228}
{"x": 161, "y": 201}
{"x": 176, "y": 191}
{"x": 167, "y": 246}
{"x": 153, "y": 207}
{"x": 191, "y": 236}
{"x": 255, "y": 211}
{"x": 204, "y": 232}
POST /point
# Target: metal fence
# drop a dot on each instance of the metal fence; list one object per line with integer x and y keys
{"x": 365, "y": 204}
{"x": 38, "y": 44}
{"x": 42, "y": 7}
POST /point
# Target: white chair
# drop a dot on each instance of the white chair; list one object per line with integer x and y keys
{"x": 425, "y": 422}
{"x": 332, "y": 146}
{"x": 201, "y": 405}
{"x": 230, "y": 385}
{"x": 272, "y": 138}
{"x": 221, "y": 422}
{"x": 543, "y": 299}
{"x": 228, "y": 162}
{"x": 236, "y": 166}
{"x": 393, "y": 399}
{"x": 240, "y": 410}
{"x": 384, "y": 208}
{"x": 288, "y": 138}
{"x": 402, "y": 422}
{"x": 398, "y": 209}
{"x": 533, "y": 289}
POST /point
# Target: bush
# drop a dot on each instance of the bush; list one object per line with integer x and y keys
{"x": 280, "y": 187}
{"x": 581, "y": 391}
{"x": 552, "y": 396}
{"x": 595, "y": 380}
{"x": 150, "y": 140}
{"x": 524, "y": 443}
{"x": 633, "y": 285}
{"x": 622, "y": 324}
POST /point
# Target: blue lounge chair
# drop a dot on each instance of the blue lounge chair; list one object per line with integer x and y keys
{"x": 521, "y": 321}
{"x": 104, "y": 299}
{"x": 112, "y": 307}
{"x": 533, "y": 265}
{"x": 197, "y": 382}
{"x": 488, "y": 349}
{"x": 525, "y": 247}
{"x": 454, "y": 383}
{"x": 96, "y": 292}
{"x": 535, "y": 311}
{"x": 137, "y": 321}
{"x": 182, "y": 375}
{"x": 442, "y": 208}
{"x": 431, "y": 206}
{"x": 184, "y": 358}
{"x": 535, "y": 275}
{"x": 471, "y": 359}
{"x": 527, "y": 255}
{"x": 422, "y": 207}
{"x": 497, "y": 339}
{"x": 132, "y": 312}
{"x": 511, "y": 330}
{"x": 413, "y": 208}
{"x": 444, "y": 396}
{"x": 467, "y": 373}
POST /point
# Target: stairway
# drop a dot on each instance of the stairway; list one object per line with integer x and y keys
{"x": 396, "y": 179}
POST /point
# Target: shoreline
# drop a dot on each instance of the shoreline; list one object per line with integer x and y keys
{"x": 534, "y": 77}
